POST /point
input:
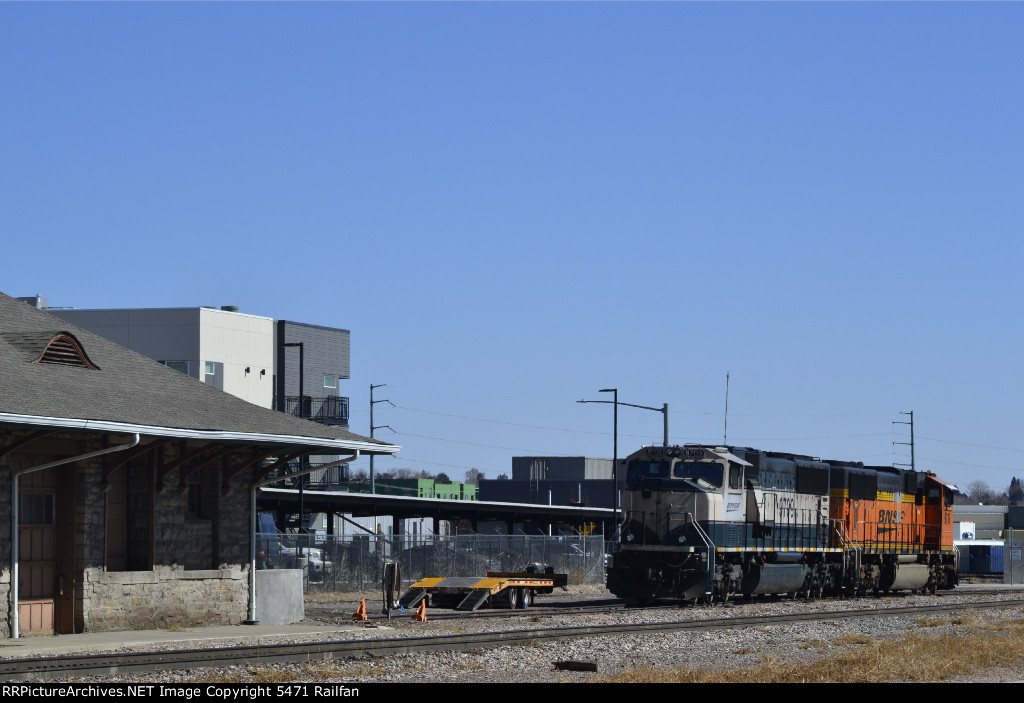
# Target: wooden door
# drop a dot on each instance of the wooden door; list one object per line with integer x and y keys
{"x": 46, "y": 553}
{"x": 37, "y": 558}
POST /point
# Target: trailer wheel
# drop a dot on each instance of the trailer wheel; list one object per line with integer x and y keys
{"x": 527, "y": 598}
{"x": 512, "y": 598}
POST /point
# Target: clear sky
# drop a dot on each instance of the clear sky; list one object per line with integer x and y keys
{"x": 513, "y": 205}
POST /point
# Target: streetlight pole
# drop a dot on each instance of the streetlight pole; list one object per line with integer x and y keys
{"x": 615, "y": 401}
{"x": 615, "y": 450}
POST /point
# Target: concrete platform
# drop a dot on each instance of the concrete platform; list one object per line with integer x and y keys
{"x": 83, "y": 643}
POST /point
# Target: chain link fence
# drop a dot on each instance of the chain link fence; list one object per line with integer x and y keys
{"x": 355, "y": 563}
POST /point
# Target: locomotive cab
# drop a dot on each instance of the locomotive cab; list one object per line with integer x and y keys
{"x": 683, "y": 495}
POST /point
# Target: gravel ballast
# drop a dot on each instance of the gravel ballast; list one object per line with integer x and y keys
{"x": 542, "y": 662}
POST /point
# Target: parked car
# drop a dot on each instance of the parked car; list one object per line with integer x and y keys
{"x": 318, "y": 566}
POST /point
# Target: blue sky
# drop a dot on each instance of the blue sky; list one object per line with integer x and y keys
{"x": 513, "y": 205}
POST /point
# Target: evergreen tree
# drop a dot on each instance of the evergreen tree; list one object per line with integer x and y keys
{"x": 1016, "y": 492}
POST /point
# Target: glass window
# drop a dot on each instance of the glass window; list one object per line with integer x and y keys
{"x": 640, "y": 470}
{"x": 208, "y": 368}
{"x": 703, "y": 473}
{"x": 330, "y": 381}
{"x": 177, "y": 366}
{"x": 735, "y": 476}
{"x": 36, "y": 509}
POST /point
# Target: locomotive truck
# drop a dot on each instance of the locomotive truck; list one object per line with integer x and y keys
{"x": 704, "y": 523}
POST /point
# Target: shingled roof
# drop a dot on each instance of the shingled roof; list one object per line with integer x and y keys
{"x": 116, "y": 389}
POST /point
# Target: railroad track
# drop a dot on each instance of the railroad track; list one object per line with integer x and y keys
{"x": 137, "y": 663}
{"x": 607, "y": 605}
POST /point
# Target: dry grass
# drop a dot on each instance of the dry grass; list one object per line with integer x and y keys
{"x": 919, "y": 657}
{"x": 849, "y": 640}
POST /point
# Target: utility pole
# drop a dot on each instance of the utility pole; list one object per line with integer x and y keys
{"x": 373, "y": 484}
{"x": 305, "y": 457}
{"x": 911, "y": 442}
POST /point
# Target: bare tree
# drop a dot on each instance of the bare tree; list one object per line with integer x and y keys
{"x": 473, "y": 476}
{"x": 979, "y": 492}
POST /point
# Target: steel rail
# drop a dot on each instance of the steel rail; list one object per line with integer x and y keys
{"x": 129, "y": 663}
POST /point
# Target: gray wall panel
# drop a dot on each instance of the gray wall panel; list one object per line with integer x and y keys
{"x": 325, "y": 351}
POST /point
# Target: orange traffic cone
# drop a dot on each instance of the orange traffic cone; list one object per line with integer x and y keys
{"x": 421, "y": 612}
{"x": 360, "y": 613}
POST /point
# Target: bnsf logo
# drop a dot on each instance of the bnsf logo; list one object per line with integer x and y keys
{"x": 892, "y": 517}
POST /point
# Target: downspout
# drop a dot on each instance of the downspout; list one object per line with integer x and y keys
{"x": 251, "y": 620}
{"x": 15, "y": 475}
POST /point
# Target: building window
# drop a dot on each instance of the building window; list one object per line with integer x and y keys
{"x": 177, "y": 366}
{"x": 330, "y": 381}
{"x": 198, "y": 503}
{"x": 208, "y": 368}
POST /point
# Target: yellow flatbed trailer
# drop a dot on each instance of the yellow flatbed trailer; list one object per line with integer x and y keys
{"x": 507, "y": 590}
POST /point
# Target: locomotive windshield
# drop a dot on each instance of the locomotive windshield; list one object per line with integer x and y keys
{"x": 640, "y": 470}
{"x": 704, "y": 473}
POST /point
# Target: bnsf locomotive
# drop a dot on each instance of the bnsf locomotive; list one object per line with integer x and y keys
{"x": 704, "y": 523}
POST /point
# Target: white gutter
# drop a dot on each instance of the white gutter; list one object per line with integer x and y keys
{"x": 343, "y": 445}
{"x": 15, "y": 475}
{"x": 255, "y": 525}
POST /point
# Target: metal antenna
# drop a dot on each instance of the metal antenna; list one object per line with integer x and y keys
{"x": 725, "y": 435}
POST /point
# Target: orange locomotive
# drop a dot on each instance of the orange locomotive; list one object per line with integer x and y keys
{"x": 898, "y": 524}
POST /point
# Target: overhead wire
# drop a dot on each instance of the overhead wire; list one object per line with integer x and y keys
{"x": 649, "y": 437}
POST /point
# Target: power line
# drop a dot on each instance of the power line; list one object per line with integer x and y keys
{"x": 979, "y": 446}
{"x": 975, "y": 466}
{"x": 502, "y": 422}
{"x": 477, "y": 444}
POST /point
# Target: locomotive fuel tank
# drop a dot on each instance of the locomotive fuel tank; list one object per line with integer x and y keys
{"x": 905, "y": 577}
{"x": 774, "y": 578}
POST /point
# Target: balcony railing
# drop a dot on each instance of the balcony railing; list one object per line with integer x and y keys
{"x": 333, "y": 477}
{"x": 329, "y": 410}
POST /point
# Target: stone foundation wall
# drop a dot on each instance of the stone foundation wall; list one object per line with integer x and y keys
{"x": 164, "y": 597}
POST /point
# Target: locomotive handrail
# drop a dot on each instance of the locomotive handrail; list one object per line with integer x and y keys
{"x": 711, "y": 553}
{"x": 845, "y": 540}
